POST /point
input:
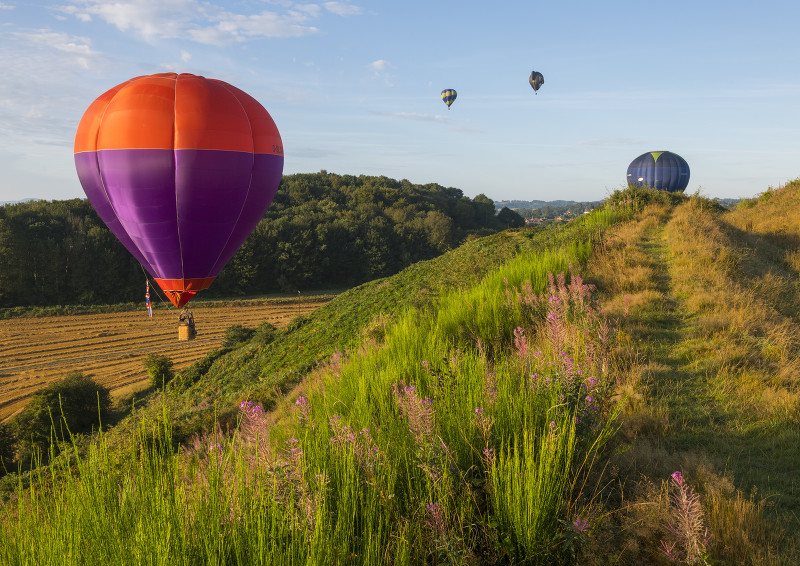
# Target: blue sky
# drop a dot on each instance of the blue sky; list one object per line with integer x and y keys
{"x": 354, "y": 85}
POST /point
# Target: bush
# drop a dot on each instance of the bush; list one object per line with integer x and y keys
{"x": 264, "y": 334}
{"x": 73, "y": 405}
{"x": 236, "y": 334}
{"x": 159, "y": 368}
{"x": 7, "y": 442}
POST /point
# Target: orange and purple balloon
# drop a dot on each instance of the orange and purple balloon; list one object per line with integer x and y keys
{"x": 181, "y": 168}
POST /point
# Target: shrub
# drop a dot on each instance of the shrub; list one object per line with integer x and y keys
{"x": 75, "y": 404}
{"x": 264, "y": 334}
{"x": 159, "y": 368}
{"x": 236, "y": 334}
{"x": 7, "y": 442}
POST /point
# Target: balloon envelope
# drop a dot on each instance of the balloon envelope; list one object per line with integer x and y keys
{"x": 661, "y": 170}
{"x": 448, "y": 96}
{"x": 536, "y": 80}
{"x": 181, "y": 169}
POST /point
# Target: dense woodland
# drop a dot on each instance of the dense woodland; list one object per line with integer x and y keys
{"x": 323, "y": 230}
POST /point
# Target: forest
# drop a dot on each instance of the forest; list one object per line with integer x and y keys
{"x": 322, "y": 230}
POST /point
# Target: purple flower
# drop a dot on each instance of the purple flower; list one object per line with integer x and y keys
{"x": 436, "y": 518}
{"x": 580, "y": 525}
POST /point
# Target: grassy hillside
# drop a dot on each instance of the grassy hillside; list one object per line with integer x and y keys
{"x": 265, "y": 369}
{"x": 470, "y": 411}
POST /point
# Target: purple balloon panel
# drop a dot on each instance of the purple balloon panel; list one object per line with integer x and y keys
{"x": 88, "y": 168}
{"x": 266, "y": 177}
{"x": 181, "y": 213}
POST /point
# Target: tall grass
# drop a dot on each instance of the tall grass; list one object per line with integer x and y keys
{"x": 464, "y": 437}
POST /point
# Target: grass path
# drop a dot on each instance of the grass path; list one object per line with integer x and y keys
{"x": 703, "y": 388}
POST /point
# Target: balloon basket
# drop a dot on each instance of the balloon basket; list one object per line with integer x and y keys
{"x": 186, "y": 332}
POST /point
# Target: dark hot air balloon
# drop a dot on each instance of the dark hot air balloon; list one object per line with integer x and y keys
{"x": 449, "y": 96}
{"x": 662, "y": 170}
{"x": 181, "y": 169}
{"x": 536, "y": 81}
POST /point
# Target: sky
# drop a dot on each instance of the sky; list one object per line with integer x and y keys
{"x": 354, "y": 87}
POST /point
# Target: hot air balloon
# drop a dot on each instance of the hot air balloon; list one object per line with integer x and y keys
{"x": 536, "y": 81}
{"x": 662, "y": 170}
{"x": 449, "y": 96}
{"x": 181, "y": 168}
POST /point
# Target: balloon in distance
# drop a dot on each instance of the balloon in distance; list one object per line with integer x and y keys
{"x": 536, "y": 80}
{"x": 661, "y": 170}
{"x": 449, "y": 96}
{"x": 181, "y": 168}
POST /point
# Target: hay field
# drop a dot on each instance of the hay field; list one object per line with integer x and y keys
{"x": 111, "y": 347}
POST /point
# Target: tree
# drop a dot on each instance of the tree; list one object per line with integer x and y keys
{"x": 510, "y": 218}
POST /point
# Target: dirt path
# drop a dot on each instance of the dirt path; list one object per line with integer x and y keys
{"x": 111, "y": 347}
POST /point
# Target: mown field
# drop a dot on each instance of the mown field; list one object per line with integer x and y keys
{"x": 111, "y": 346}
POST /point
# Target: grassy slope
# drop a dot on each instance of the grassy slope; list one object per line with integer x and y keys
{"x": 708, "y": 310}
{"x": 265, "y": 372}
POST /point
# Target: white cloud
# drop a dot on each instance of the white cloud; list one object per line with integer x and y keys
{"x": 342, "y": 8}
{"x": 379, "y": 69}
{"x": 415, "y": 116}
{"x": 202, "y": 22}
{"x": 6, "y": 6}
{"x": 378, "y": 66}
{"x": 55, "y": 40}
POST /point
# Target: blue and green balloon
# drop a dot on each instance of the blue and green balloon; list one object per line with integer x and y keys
{"x": 660, "y": 170}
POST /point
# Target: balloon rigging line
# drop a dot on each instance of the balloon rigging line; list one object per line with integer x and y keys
{"x": 153, "y": 286}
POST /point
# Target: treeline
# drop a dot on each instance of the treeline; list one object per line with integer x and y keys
{"x": 554, "y": 210}
{"x": 322, "y": 230}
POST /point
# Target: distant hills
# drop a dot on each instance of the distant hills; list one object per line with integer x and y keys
{"x": 518, "y": 204}
{"x": 564, "y": 204}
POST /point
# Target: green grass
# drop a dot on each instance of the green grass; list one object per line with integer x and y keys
{"x": 407, "y": 452}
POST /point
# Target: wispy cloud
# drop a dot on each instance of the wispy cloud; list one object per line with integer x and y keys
{"x": 204, "y": 22}
{"x": 415, "y": 116}
{"x": 342, "y": 8}
{"x": 378, "y": 66}
{"x": 379, "y": 70}
{"x": 59, "y": 41}
{"x": 4, "y": 6}
{"x": 43, "y": 79}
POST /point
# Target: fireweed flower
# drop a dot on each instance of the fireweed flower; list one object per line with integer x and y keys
{"x": 580, "y": 525}
{"x": 436, "y": 518}
{"x": 520, "y": 342}
{"x": 419, "y": 413}
{"x": 691, "y": 537}
{"x": 304, "y": 407}
{"x": 484, "y": 423}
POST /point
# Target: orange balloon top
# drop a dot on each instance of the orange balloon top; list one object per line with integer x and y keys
{"x": 177, "y": 111}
